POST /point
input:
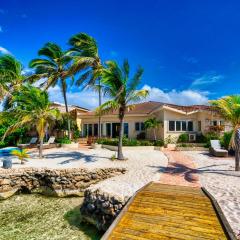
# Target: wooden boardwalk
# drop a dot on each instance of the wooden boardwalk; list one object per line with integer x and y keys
{"x": 160, "y": 211}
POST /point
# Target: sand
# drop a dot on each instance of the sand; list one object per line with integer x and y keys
{"x": 142, "y": 166}
{"x": 217, "y": 175}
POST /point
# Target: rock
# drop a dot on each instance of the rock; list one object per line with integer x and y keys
{"x": 5, "y": 195}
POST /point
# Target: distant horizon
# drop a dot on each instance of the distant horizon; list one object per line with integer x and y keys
{"x": 189, "y": 49}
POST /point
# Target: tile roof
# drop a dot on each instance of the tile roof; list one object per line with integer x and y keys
{"x": 148, "y": 107}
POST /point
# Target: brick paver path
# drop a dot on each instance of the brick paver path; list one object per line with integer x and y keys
{"x": 180, "y": 170}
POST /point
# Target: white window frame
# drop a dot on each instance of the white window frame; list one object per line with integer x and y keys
{"x": 140, "y": 127}
{"x": 175, "y": 125}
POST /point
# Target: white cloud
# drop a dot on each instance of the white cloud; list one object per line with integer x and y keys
{"x": 86, "y": 98}
{"x": 4, "y": 50}
{"x": 27, "y": 71}
{"x": 184, "y": 97}
{"x": 206, "y": 79}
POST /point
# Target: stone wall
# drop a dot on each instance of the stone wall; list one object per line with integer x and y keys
{"x": 60, "y": 182}
{"x": 100, "y": 209}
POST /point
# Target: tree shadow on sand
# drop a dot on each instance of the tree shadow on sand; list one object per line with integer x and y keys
{"x": 74, "y": 218}
{"x": 73, "y": 156}
{"x": 189, "y": 173}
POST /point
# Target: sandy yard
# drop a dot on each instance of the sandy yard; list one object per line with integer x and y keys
{"x": 217, "y": 175}
{"x": 142, "y": 166}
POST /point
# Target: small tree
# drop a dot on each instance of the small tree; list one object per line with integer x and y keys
{"x": 21, "y": 154}
{"x": 229, "y": 108}
{"x": 32, "y": 107}
{"x": 152, "y": 123}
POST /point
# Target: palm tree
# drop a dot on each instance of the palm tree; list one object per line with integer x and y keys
{"x": 31, "y": 106}
{"x": 123, "y": 92}
{"x": 152, "y": 123}
{"x": 229, "y": 107}
{"x": 52, "y": 68}
{"x": 87, "y": 62}
{"x": 11, "y": 75}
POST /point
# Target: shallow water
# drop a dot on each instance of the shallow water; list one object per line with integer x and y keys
{"x": 33, "y": 216}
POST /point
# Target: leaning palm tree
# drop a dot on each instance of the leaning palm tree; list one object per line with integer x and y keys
{"x": 11, "y": 75}
{"x": 31, "y": 106}
{"x": 152, "y": 123}
{"x": 52, "y": 68}
{"x": 229, "y": 107}
{"x": 122, "y": 91}
{"x": 87, "y": 62}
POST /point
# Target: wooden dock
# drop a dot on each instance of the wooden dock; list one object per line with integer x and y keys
{"x": 160, "y": 211}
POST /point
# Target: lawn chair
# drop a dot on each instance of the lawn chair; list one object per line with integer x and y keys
{"x": 216, "y": 149}
{"x": 33, "y": 141}
{"x": 49, "y": 143}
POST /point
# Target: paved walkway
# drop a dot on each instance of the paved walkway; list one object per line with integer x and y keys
{"x": 180, "y": 170}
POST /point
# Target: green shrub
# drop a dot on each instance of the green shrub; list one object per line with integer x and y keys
{"x": 63, "y": 140}
{"x": 126, "y": 142}
{"x": 183, "y": 138}
{"x": 201, "y": 139}
{"x": 211, "y": 136}
{"x": 225, "y": 140}
{"x": 159, "y": 143}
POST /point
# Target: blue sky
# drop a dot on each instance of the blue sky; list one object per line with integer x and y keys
{"x": 189, "y": 49}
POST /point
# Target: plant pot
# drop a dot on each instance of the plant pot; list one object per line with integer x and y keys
{"x": 7, "y": 163}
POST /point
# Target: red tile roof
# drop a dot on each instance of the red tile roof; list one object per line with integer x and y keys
{"x": 148, "y": 107}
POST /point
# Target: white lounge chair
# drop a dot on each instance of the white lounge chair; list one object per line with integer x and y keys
{"x": 49, "y": 143}
{"x": 32, "y": 141}
{"x": 216, "y": 149}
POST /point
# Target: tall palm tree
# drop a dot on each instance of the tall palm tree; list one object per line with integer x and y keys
{"x": 11, "y": 75}
{"x": 31, "y": 106}
{"x": 123, "y": 93}
{"x": 52, "y": 68}
{"x": 87, "y": 62}
{"x": 152, "y": 123}
{"x": 229, "y": 107}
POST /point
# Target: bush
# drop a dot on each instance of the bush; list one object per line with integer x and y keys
{"x": 225, "y": 140}
{"x": 183, "y": 138}
{"x": 201, "y": 139}
{"x": 126, "y": 142}
{"x": 159, "y": 143}
{"x": 141, "y": 136}
{"x": 211, "y": 136}
{"x": 63, "y": 140}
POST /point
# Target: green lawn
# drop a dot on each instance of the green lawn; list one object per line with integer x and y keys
{"x": 35, "y": 217}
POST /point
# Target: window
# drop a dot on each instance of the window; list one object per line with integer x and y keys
{"x": 199, "y": 126}
{"x": 125, "y": 129}
{"x": 221, "y": 123}
{"x": 90, "y": 130}
{"x": 184, "y": 126}
{"x": 85, "y": 130}
{"x": 139, "y": 126}
{"x": 178, "y": 125}
{"x": 190, "y": 126}
{"x": 214, "y": 123}
{"x": 171, "y": 126}
{"x": 95, "y": 130}
{"x": 108, "y": 129}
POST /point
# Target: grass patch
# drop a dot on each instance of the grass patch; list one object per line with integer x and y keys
{"x": 33, "y": 216}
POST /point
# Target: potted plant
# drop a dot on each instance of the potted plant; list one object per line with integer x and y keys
{"x": 22, "y": 154}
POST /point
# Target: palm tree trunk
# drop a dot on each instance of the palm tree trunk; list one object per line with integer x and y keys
{"x": 99, "y": 117}
{"x": 237, "y": 150}
{"x": 41, "y": 148}
{"x": 120, "y": 139}
{"x": 66, "y": 106}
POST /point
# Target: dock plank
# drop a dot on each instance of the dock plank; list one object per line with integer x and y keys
{"x": 161, "y": 211}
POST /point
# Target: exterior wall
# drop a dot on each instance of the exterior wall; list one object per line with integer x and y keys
{"x": 165, "y": 115}
{"x": 131, "y": 120}
{"x": 175, "y": 116}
